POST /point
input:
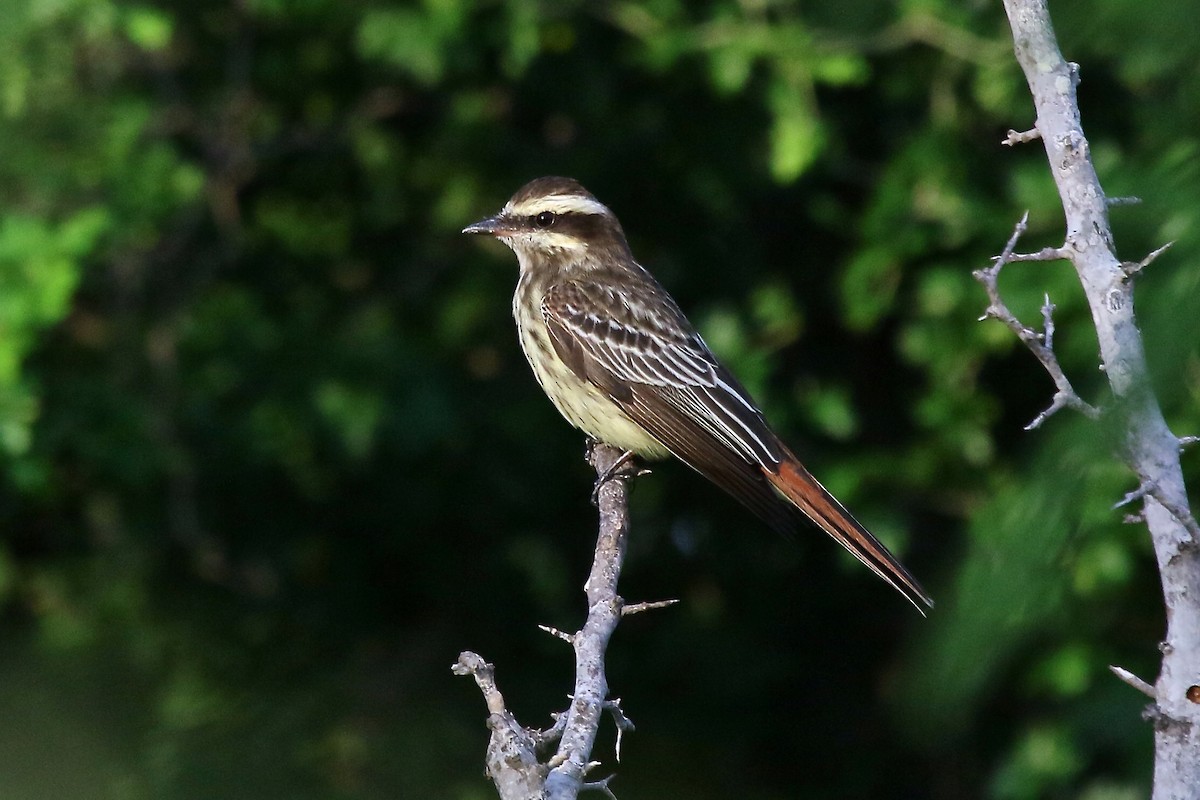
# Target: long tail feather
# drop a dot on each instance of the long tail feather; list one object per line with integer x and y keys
{"x": 795, "y": 483}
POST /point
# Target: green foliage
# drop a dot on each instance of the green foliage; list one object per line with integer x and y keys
{"x": 39, "y": 270}
{"x": 270, "y": 456}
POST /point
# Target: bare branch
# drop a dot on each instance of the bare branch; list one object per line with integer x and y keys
{"x": 1045, "y": 254}
{"x": 569, "y": 638}
{"x": 1011, "y": 245}
{"x": 1041, "y": 345}
{"x": 485, "y": 678}
{"x": 1063, "y": 399}
{"x": 1151, "y": 451}
{"x": 512, "y": 756}
{"x": 552, "y": 735}
{"x": 604, "y": 612}
{"x": 624, "y": 724}
{"x": 1047, "y": 321}
{"x": 1150, "y": 488}
{"x": 1021, "y": 137}
{"x": 1187, "y": 441}
{"x": 512, "y": 762}
{"x": 1112, "y": 202}
{"x": 600, "y": 786}
{"x": 638, "y": 608}
{"x": 1131, "y": 497}
{"x": 1181, "y": 513}
{"x": 1130, "y": 268}
{"x": 1133, "y": 680}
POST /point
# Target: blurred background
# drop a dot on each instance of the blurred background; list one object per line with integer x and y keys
{"x": 270, "y": 456}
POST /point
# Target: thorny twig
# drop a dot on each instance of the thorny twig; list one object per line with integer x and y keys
{"x": 1015, "y": 137}
{"x": 1040, "y": 344}
{"x": 513, "y": 761}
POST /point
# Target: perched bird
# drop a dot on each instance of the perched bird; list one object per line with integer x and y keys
{"x": 621, "y": 362}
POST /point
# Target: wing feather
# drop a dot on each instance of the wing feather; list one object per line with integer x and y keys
{"x": 684, "y": 437}
{"x": 661, "y": 373}
{"x": 657, "y": 369}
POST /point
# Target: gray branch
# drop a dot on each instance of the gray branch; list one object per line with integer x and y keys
{"x": 513, "y": 761}
{"x": 1040, "y": 344}
{"x": 1151, "y": 450}
{"x": 604, "y": 612}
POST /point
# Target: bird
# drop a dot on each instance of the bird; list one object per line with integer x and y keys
{"x": 620, "y": 361}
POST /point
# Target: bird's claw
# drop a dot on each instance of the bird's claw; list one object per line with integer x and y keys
{"x": 624, "y": 467}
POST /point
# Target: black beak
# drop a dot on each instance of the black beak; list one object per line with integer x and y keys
{"x": 491, "y": 226}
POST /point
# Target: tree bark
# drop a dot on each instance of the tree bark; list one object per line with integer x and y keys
{"x": 513, "y": 761}
{"x": 1151, "y": 450}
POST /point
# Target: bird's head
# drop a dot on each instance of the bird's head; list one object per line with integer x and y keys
{"x": 555, "y": 217}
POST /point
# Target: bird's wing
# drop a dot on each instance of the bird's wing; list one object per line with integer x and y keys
{"x": 634, "y": 344}
{"x": 640, "y": 350}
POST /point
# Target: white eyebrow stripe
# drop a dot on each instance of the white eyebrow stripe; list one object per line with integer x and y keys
{"x": 553, "y": 239}
{"x": 559, "y": 204}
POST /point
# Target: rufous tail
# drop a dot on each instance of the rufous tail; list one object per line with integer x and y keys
{"x": 795, "y": 483}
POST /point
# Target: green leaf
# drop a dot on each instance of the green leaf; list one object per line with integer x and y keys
{"x": 148, "y": 28}
{"x": 796, "y": 135}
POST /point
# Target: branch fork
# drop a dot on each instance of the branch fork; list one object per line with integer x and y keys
{"x": 518, "y": 761}
{"x": 1151, "y": 450}
{"x": 1040, "y": 344}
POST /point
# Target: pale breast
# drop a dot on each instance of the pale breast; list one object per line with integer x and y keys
{"x": 579, "y": 401}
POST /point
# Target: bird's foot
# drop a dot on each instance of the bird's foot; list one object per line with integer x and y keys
{"x": 626, "y": 466}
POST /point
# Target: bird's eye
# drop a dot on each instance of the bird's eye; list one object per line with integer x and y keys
{"x": 544, "y": 219}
